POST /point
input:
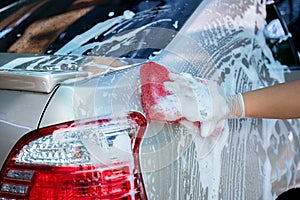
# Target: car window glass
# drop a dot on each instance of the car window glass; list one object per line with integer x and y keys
{"x": 52, "y": 26}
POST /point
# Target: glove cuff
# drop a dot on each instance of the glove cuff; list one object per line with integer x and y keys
{"x": 236, "y": 106}
{"x": 242, "y": 105}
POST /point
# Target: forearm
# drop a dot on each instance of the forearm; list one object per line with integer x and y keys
{"x": 279, "y": 101}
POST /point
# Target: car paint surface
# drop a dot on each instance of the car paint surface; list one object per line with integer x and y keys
{"x": 252, "y": 159}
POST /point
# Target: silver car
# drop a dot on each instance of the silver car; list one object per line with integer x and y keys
{"x": 72, "y": 123}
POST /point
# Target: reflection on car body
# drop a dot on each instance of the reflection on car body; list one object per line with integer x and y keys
{"x": 78, "y": 80}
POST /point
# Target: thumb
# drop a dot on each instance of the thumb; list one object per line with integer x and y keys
{"x": 211, "y": 128}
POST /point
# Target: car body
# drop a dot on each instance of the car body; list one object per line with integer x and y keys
{"x": 72, "y": 123}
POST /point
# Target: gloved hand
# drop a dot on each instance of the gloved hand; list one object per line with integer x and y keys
{"x": 198, "y": 100}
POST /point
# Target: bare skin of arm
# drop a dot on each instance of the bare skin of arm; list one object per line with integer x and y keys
{"x": 280, "y": 101}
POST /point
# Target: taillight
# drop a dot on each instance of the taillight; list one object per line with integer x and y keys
{"x": 90, "y": 160}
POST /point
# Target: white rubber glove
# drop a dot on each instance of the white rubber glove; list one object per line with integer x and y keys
{"x": 199, "y": 100}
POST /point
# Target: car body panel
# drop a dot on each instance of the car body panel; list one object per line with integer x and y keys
{"x": 95, "y": 97}
{"x": 243, "y": 156}
{"x": 20, "y": 113}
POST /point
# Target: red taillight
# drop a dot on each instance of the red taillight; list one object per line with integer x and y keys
{"x": 90, "y": 160}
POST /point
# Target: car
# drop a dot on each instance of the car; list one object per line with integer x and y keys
{"x": 72, "y": 123}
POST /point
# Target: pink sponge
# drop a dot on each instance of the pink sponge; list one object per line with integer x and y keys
{"x": 152, "y": 77}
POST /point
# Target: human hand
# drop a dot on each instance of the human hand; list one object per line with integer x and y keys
{"x": 197, "y": 100}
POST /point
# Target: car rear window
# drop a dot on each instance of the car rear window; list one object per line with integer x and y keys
{"x": 81, "y": 26}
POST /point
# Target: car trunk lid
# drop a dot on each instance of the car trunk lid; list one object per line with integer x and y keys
{"x": 41, "y": 73}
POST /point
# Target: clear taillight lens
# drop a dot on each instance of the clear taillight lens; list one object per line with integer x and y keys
{"x": 90, "y": 160}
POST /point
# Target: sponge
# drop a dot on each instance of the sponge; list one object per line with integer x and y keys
{"x": 152, "y": 77}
